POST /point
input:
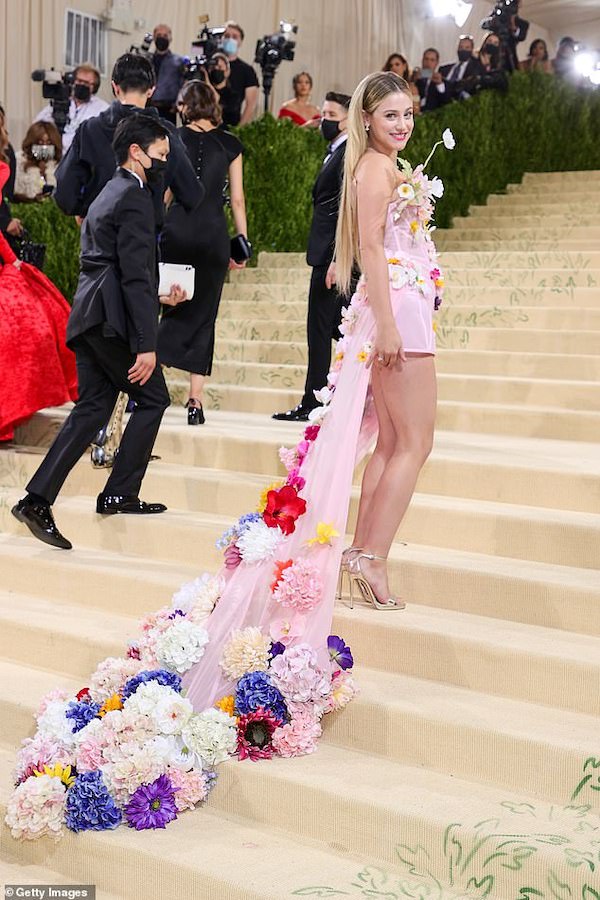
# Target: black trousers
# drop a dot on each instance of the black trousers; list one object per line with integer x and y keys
{"x": 102, "y": 366}
{"x": 325, "y": 307}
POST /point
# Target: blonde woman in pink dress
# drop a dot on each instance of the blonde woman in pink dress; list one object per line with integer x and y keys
{"x": 242, "y": 663}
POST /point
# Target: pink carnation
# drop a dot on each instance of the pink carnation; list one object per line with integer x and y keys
{"x": 190, "y": 787}
{"x": 288, "y": 457}
{"x": 296, "y": 480}
{"x": 300, "y": 586}
{"x": 343, "y": 690}
{"x": 36, "y": 808}
{"x": 311, "y": 432}
{"x": 89, "y": 755}
{"x": 301, "y": 451}
{"x": 299, "y": 736}
{"x": 233, "y": 557}
{"x": 111, "y": 675}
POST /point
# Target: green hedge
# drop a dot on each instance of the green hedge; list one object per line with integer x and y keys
{"x": 539, "y": 125}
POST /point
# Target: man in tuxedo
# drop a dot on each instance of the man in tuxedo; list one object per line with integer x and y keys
{"x": 324, "y": 303}
{"x": 428, "y": 81}
{"x": 89, "y": 163}
{"x": 455, "y": 78}
{"x": 113, "y": 330}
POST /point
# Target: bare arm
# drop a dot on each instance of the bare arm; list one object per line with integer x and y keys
{"x": 251, "y": 99}
{"x": 376, "y": 180}
{"x": 238, "y": 202}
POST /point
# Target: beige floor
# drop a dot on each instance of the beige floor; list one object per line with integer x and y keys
{"x": 468, "y": 767}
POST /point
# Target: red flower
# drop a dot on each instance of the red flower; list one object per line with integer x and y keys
{"x": 283, "y": 508}
{"x": 311, "y": 432}
{"x": 255, "y": 734}
{"x": 83, "y": 694}
{"x": 280, "y": 568}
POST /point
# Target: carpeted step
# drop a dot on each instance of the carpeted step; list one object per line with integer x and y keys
{"x": 486, "y": 216}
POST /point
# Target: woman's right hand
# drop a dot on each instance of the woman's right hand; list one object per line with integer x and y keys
{"x": 388, "y": 350}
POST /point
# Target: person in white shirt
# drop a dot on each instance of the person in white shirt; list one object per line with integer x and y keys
{"x": 84, "y": 104}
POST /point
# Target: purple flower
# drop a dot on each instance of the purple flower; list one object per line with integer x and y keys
{"x": 170, "y": 679}
{"x": 89, "y": 806}
{"x": 82, "y": 713}
{"x": 339, "y": 652}
{"x": 276, "y": 648}
{"x": 254, "y": 690}
{"x": 176, "y": 612}
{"x": 152, "y": 805}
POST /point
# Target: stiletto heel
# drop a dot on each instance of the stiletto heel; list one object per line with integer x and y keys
{"x": 364, "y": 588}
{"x": 344, "y": 564}
{"x": 351, "y": 583}
{"x": 195, "y": 412}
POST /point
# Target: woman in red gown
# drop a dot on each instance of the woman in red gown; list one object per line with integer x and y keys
{"x": 300, "y": 110}
{"x": 36, "y": 367}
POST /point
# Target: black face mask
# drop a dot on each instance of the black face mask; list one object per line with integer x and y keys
{"x": 464, "y": 55}
{"x": 330, "y": 129}
{"x": 82, "y": 92}
{"x": 216, "y": 76}
{"x": 161, "y": 44}
{"x": 493, "y": 52}
{"x": 155, "y": 171}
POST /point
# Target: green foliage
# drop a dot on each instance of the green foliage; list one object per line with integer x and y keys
{"x": 540, "y": 125}
{"x": 46, "y": 224}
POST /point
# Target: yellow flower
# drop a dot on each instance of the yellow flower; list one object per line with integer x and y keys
{"x": 439, "y": 282}
{"x": 339, "y": 357}
{"x": 325, "y": 533}
{"x": 227, "y": 705}
{"x": 58, "y": 771}
{"x": 435, "y": 327}
{"x": 414, "y": 227}
{"x": 362, "y": 356}
{"x": 262, "y": 503}
{"x": 393, "y": 261}
{"x": 110, "y": 704}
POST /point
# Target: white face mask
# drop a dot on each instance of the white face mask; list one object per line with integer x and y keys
{"x": 43, "y": 151}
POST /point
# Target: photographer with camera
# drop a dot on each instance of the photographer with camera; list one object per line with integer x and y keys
{"x": 83, "y": 103}
{"x": 504, "y": 20}
{"x": 243, "y": 81}
{"x": 40, "y": 154}
{"x": 90, "y": 162}
{"x": 491, "y": 56}
{"x": 169, "y": 77}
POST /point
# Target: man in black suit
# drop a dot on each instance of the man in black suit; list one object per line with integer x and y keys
{"x": 89, "y": 163}
{"x": 113, "y": 330}
{"x": 428, "y": 81}
{"x": 324, "y": 303}
{"x": 456, "y": 78}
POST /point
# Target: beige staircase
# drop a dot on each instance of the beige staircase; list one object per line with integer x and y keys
{"x": 468, "y": 766}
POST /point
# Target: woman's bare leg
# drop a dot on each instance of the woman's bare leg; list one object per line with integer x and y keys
{"x": 197, "y": 386}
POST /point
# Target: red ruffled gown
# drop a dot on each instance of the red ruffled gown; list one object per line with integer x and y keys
{"x": 37, "y": 369}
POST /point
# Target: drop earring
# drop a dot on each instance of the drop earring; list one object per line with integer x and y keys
{"x": 367, "y": 126}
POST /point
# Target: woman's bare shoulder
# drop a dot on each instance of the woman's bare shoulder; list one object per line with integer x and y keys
{"x": 376, "y": 169}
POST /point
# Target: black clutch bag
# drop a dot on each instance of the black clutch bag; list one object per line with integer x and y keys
{"x": 241, "y": 248}
{"x": 30, "y": 252}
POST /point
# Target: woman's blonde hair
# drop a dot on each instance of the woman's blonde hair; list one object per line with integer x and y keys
{"x": 365, "y": 99}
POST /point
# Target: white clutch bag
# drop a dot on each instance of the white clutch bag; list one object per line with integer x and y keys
{"x": 175, "y": 273}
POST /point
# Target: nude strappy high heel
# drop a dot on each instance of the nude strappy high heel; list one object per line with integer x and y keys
{"x": 344, "y": 569}
{"x": 359, "y": 581}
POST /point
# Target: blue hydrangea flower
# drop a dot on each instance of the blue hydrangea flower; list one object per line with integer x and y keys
{"x": 89, "y": 806}
{"x": 233, "y": 533}
{"x": 163, "y": 676}
{"x": 255, "y": 689}
{"x": 82, "y": 713}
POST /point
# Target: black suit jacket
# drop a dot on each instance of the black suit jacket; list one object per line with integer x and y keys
{"x": 454, "y": 88}
{"x": 326, "y": 206}
{"x": 433, "y": 98}
{"x": 117, "y": 280}
{"x": 90, "y": 163}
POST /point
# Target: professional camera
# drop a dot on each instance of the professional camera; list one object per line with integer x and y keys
{"x": 500, "y": 17}
{"x": 209, "y": 40}
{"x": 270, "y": 51}
{"x": 144, "y": 47}
{"x": 57, "y": 87}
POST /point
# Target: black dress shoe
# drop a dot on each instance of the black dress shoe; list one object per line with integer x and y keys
{"x": 40, "y": 521}
{"x": 108, "y": 505}
{"x": 297, "y": 414}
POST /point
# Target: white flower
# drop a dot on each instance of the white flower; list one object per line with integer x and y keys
{"x": 181, "y": 645}
{"x": 53, "y": 723}
{"x": 211, "y": 735}
{"x": 436, "y": 187}
{"x": 170, "y": 749}
{"x": 406, "y": 191}
{"x": 316, "y": 415}
{"x": 245, "y": 651}
{"x": 448, "y": 139}
{"x": 36, "y": 808}
{"x": 171, "y": 716}
{"x": 323, "y": 395}
{"x": 148, "y": 695}
{"x": 199, "y": 595}
{"x": 258, "y": 541}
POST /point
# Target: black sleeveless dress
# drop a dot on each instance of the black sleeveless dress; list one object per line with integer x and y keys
{"x": 186, "y": 334}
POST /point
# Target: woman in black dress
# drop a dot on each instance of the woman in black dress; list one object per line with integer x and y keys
{"x": 186, "y": 335}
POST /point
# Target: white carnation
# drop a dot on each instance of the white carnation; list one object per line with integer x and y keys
{"x": 211, "y": 735}
{"x": 181, "y": 645}
{"x": 258, "y": 542}
{"x": 147, "y": 696}
{"x": 54, "y": 724}
{"x": 316, "y": 415}
{"x": 201, "y": 594}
